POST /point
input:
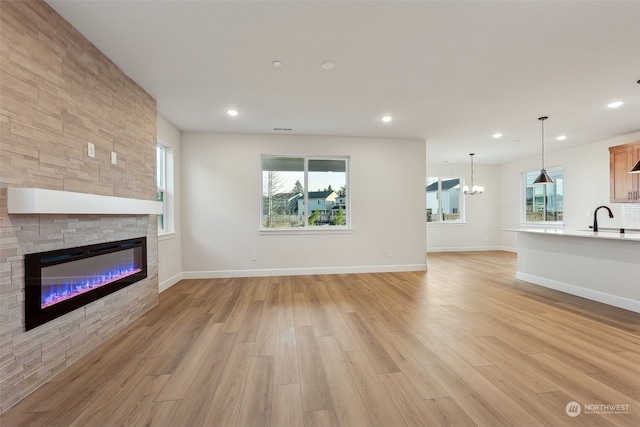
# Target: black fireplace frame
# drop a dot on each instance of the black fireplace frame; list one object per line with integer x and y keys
{"x": 35, "y": 315}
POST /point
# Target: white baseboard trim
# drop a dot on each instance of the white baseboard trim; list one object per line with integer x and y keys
{"x": 166, "y": 284}
{"x": 616, "y": 301}
{"x": 463, "y": 249}
{"x": 302, "y": 271}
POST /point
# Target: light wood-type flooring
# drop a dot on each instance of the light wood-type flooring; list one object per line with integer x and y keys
{"x": 463, "y": 344}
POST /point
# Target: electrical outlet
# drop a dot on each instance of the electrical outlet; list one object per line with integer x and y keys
{"x": 588, "y": 213}
{"x": 91, "y": 150}
{"x": 114, "y": 158}
{"x": 389, "y": 253}
{"x": 254, "y": 257}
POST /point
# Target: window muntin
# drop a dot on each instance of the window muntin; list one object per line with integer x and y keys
{"x": 302, "y": 192}
{"x": 443, "y": 200}
{"x": 544, "y": 203}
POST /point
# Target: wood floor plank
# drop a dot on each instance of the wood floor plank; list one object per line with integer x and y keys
{"x": 222, "y": 301}
{"x": 300, "y": 310}
{"x": 349, "y": 408}
{"x": 190, "y": 365}
{"x": 493, "y": 397}
{"x": 448, "y": 413}
{"x": 425, "y": 385}
{"x": 258, "y": 391}
{"x": 99, "y": 405}
{"x": 457, "y": 387}
{"x": 377, "y": 402}
{"x": 266, "y": 335}
{"x": 226, "y": 402}
{"x": 236, "y": 317}
{"x": 322, "y": 418}
{"x": 319, "y": 320}
{"x": 155, "y": 414}
{"x": 341, "y": 329}
{"x": 336, "y": 288}
{"x": 286, "y": 408}
{"x": 561, "y": 349}
{"x": 251, "y": 323}
{"x": 413, "y": 409}
{"x": 286, "y": 357}
{"x": 586, "y": 389}
{"x": 557, "y": 403}
{"x": 145, "y": 392}
{"x": 509, "y": 359}
{"x": 194, "y": 407}
{"x": 528, "y": 399}
{"x": 313, "y": 381}
{"x": 374, "y": 350}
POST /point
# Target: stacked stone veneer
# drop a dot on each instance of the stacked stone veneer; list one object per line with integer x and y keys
{"x": 58, "y": 93}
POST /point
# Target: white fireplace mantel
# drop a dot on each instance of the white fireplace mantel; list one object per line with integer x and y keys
{"x": 42, "y": 201}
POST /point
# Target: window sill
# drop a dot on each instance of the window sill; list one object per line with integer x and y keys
{"x": 542, "y": 224}
{"x": 166, "y": 236}
{"x": 304, "y": 230}
{"x": 445, "y": 224}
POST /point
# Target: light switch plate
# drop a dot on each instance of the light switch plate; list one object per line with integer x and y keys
{"x": 91, "y": 150}
{"x": 114, "y": 158}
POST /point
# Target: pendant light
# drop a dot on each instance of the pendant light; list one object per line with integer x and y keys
{"x": 543, "y": 178}
{"x": 475, "y": 189}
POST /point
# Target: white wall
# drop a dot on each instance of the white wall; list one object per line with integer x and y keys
{"x": 221, "y": 195}
{"x": 481, "y": 228}
{"x": 586, "y": 186}
{"x": 170, "y": 246}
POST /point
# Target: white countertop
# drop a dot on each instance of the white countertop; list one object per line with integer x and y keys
{"x": 610, "y": 235}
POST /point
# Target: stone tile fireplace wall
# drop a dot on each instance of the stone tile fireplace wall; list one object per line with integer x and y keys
{"x": 58, "y": 93}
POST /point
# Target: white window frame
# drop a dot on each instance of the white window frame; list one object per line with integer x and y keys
{"x": 443, "y": 222}
{"x": 164, "y": 183}
{"x": 306, "y": 228}
{"x": 523, "y": 200}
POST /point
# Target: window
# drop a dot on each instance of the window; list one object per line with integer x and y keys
{"x": 304, "y": 192}
{"x": 444, "y": 201}
{"x": 163, "y": 184}
{"x": 544, "y": 203}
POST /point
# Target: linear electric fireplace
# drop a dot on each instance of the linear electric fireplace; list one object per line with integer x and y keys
{"x": 58, "y": 282}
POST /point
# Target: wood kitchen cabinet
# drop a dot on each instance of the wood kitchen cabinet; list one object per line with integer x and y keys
{"x": 625, "y": 186}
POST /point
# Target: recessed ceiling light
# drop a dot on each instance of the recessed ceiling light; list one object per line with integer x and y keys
{"x": 386, "y": 119}
{"x": 615, "y": 104}
{"x": 328, "y": 65}
{"x": 561, "y": 137}
{"x": 232, "y": 112}
{"x": 497, "y": 135}
{"x": 277, "y": 64}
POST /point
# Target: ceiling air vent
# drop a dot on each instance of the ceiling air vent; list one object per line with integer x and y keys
{"x": 283, "y": 129}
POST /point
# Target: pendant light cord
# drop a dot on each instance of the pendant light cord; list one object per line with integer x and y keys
{"x": 542, "y": 119}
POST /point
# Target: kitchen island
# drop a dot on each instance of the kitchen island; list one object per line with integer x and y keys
{"x": 602, "y": 266}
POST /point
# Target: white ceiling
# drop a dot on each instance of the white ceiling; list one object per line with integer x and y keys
{"x": 450, "y": 72}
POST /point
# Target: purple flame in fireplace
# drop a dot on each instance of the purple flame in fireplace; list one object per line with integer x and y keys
{"x": 53, "y": 294}
{"x": 64, "y": 281}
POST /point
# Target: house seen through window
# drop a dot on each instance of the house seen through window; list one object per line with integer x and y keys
{"x": 304, "y": 192}
{"x": 544, "y": 203}
{"x": 444, "y": 201}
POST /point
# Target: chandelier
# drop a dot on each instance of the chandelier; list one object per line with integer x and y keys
{"x": 475, "y": 189}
